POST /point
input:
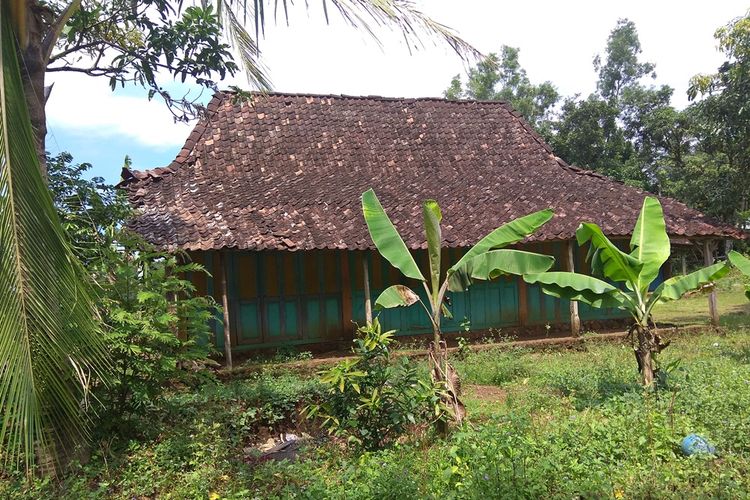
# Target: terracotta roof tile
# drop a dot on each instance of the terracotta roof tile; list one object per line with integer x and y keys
{"x": 286, "y": 171}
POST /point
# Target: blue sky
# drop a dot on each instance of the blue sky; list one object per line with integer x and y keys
{"x": 558, "y": 41}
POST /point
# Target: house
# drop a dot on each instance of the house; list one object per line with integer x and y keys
{"x": 266, "y": 193}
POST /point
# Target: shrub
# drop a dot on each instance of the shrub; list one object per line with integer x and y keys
{"x": 372, "y": 399}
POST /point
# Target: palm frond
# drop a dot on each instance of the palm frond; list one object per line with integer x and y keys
{"x": 367, "y": 15}
{"x": 50, "y": 345}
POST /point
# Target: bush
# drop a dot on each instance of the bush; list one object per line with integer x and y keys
{"x": 371, "y": 399}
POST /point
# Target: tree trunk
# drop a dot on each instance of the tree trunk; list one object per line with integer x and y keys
{"x": 443, "y": 372}
{"x": 33, "y": 69}
{"x": 644, "y": 356}
{"x": 646, "y": 346}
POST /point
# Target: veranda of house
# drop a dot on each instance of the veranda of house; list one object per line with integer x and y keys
{"x": 278, "y": 298}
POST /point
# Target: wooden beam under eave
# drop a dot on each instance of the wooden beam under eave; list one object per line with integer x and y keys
{"x": 523, "y": 302}
{"x": 346, "y": 296}
{"x": 366, "y": 286}
{"x": 575, "y": 319}
{"x": 222, "y": 276}
{"x": 713, "y": 303}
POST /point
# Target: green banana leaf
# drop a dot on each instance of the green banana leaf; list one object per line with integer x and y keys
{"x": 432, "y": 218}
{"x": 650, "y": 242}
{"x": 578, "y": 287}
{"x": 676, "y": 287}
{"x": 616, "y": 265}
{"x": 396, "y": 296}
{"x": 743, "y": 264}
{"x": 51, "y": 347}
{"x": 490, "y": 265}
{"x": 740, "y": 262}
{"x": 505, "y": 235}
{"x": 386, "y": 238}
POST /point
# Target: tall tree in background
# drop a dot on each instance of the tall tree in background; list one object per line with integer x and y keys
{"x": 622, "y": 130}
{"x": 134, "y": 40}
{"x": 503, "y": 79}
{"x": 722, "y": 121}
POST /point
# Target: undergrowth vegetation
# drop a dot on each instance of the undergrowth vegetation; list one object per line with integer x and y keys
{"x": 570, "y": 423}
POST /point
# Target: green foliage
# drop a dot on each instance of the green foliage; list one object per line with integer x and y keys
{"x": 372, "y": 400}
{"x": 573, "y": 425}
{"x": 157, "y": 331}
{"x": 723, "y": 116}
{"x": 142, "y": 39}
{"x": 503, "y": 79}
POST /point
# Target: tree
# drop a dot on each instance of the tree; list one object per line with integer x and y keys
{"x": 51, "y": 345}
{"x": 636, "y": 271}
{"x": 624, "y": 129}
{"x": 133, "y": 40}
{"x": 503, "y": 79}
{"x": 487, "y": 259}
{"x": 621, "y": 68}
{"x": 724, "y": 117}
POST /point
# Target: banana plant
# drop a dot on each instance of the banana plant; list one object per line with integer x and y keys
{"x": 743, "y": 264}
{"x": 485, "y": 260}
{"x": 636, "y": 272}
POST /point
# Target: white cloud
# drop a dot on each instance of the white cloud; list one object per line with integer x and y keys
{"x": 87, "y": 106}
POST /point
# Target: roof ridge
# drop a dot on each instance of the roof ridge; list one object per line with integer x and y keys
{"x": 372, "y": 97}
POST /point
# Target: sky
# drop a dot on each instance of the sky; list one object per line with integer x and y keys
{"x": 558, "y": 41}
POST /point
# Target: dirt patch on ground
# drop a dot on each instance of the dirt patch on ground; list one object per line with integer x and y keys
{"x": 489, "y": 393}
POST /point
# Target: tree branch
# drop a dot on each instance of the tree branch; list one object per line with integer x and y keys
{"x": 50, "y": 39}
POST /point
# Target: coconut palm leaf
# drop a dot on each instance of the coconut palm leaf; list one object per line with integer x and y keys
{"x": 50, "y": 345}
{"x": 369, "y": 16}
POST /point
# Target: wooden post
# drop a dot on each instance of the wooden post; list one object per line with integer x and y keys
{"x": 684, "y": 264}
{"x": 346, "y": 293}
{"x": 523, "y": 302}
{"x": 713, "y": 305}
{"x": 575, "y": 320}
{"x": 222, "y": 275}
{"x": 366, "y": 281}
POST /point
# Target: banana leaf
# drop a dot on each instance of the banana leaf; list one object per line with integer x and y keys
{"x": 490, "y": 265}
{"x": 650, "y": 242}
{"x": 432, "y": 218}
{"x": 505, "y": 235}
{"x": 676, "y": 287}
{"x": 743, "y": 264}
{"x": 578, "y": 287}
{"x": 616, "y": 265}
{"x": 386, "y": 238}
{"x": 396, "y": 296}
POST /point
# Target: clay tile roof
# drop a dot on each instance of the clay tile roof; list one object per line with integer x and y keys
{"x": 286, "y": 171}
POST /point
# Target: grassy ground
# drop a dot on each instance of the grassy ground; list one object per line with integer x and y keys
{"x": 557, "y": 424}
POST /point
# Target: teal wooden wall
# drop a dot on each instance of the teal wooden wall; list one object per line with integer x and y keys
{"x": 288, "y": 298}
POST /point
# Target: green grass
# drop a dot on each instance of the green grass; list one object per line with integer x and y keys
{"x": 555, "y": 424}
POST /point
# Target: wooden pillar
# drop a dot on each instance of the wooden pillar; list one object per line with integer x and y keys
{"x": 346, "y": 293}
{"x": 575, "y": 320}
{"x": 523, "y": 302}
{"x": 684, "y": 264}
{"x": 713, "y": 305}
{"x": 222, "y": 276}
{"x": 366, "y": 282}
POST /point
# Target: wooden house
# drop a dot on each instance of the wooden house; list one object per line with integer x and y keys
{"x": 266, "y": 193}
